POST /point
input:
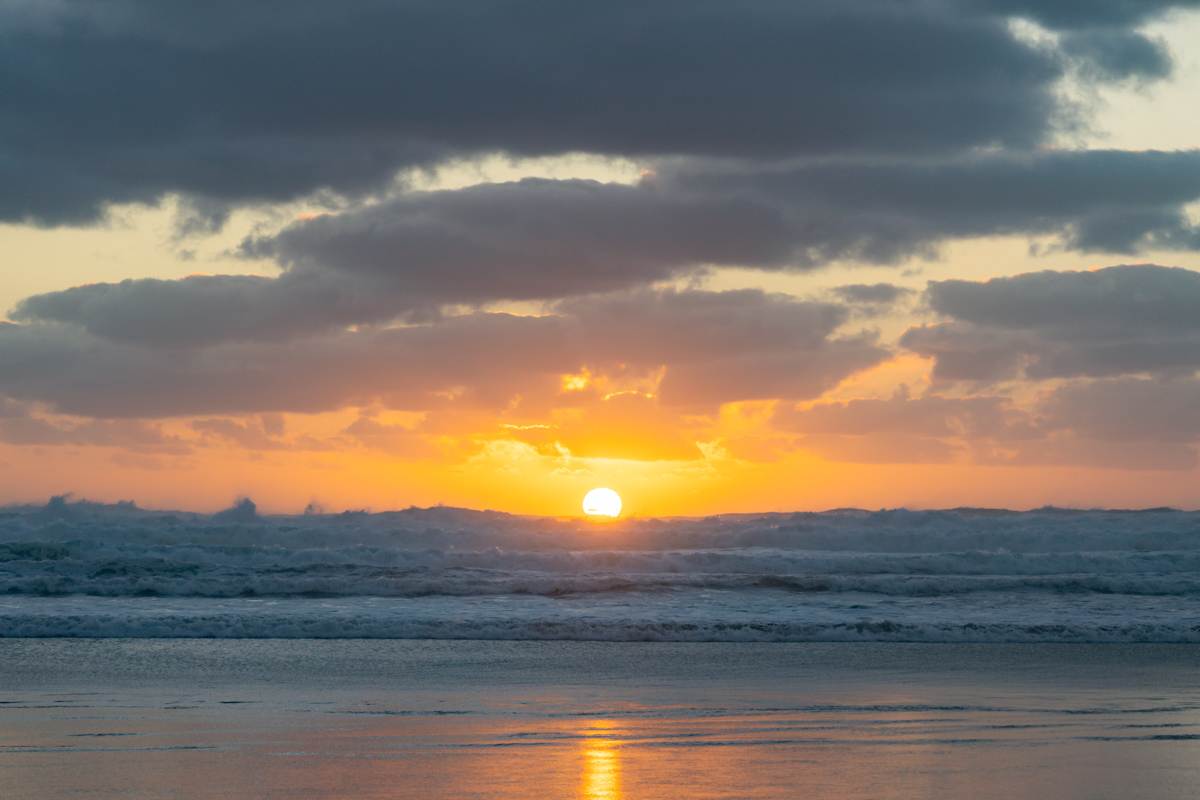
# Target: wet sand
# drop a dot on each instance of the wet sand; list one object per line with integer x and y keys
{"x": 636, "y": 721}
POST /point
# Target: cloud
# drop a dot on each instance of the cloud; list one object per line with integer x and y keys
{"x": 397, "y": 440}
{"x": 1091, "y": 303}
{"x": 724, "y": 346}
{"x": 1115, "y": 424}
{"x": 129, "y": 435}
{"x": 883, "y": 211}
{"x": 233, "y": 103}
{"x": 776, "y": 346}
{"x": 409, "y": 256}
{"x": 872, "y": 294}
{"x": 205, "y": 309}
{"x": 531, "y": 239}
{"x": 623, "y": 425}
{"x": 546, "y": 238}
{"x": 1076, "y": 15}
{"x": 1127, "y": 409}
{"x": 1119, "y": 320}
{"x": 930, "y": 415}
{"x": 1116, "y": 54}
{"x": 904, "y": 429}
{"x": 260, "y": 433}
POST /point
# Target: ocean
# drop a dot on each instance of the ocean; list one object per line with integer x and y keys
{"x": 78, "y": 569}
{"x": 447, "y": 654}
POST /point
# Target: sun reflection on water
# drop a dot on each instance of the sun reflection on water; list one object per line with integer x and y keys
{"x": 601, "y": 778}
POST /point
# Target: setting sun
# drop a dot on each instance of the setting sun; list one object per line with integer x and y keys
{"x": 602, "y": 503}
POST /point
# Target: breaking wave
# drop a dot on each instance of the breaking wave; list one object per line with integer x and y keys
{"x": 955, "y": 575}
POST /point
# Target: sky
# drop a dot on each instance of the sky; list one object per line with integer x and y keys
{"x": 721, "y": 257}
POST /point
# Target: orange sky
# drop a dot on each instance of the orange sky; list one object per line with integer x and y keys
{"x": 507, "y": 324}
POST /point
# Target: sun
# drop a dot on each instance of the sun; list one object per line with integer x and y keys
{"x": 602, "y": 503}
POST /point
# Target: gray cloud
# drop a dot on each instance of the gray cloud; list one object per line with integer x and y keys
{"x": 877, "y": 294}
{"x": 539, "y": 239}
{"x": 1115, "y": 321}
{"x": 1100, "y": 35}
{"x": 263, "y": 432}
{"x": 904, "y": 429}
{"x": 1127, "y": 409}
{"x": 531, "y": 239}
{"x": 928, "y": 416}
{"x": 126, "y": 100}
{"x": 1115, "y": 54}
{"x": 1076, "y": 14}
{"x": 776, "y": 345}
{"x": 724, "y": 346}
{"x": 1095, "y": 303}
{"x": 581, "y": 233}
{"x": 131, "y": 435}
{"x": 1096, "y": 200}
{"x": 171, "y": 312}
{"x": 205, "y": 309}
{"x": 1118, "y": 424}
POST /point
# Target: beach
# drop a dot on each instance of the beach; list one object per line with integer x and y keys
{"x": 446, "y": 653}
{"x": 197, "y": 718}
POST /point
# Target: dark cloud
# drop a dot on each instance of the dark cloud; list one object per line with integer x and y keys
{"x": 1096, "y": 200}
{"x": 774, "y": 345}
{"x": 1091, "y": 303}
{"x": 230, "y": 102}
{"x": 171, "y": 312}
{"x": 1077, "y": 14}
{"x": 530, "y": 239}
{"x": 212, "y": 308}
{"x": 78, "y": 373}
{"x": 544, "y": 239}
{"x": 539, "y": 239}
{"x": 1127, "y": 409}
{"x": 1099, "y": 35}
{"x": 1115, "y": 54}
{"x": 1114, "y": 321}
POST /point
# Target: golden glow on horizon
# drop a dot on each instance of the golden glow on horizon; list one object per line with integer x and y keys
{"x": 602, "y": 502}
{"x": 535, "y": 446}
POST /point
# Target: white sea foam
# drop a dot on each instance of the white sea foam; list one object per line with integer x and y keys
{"x": 81, "y": 569}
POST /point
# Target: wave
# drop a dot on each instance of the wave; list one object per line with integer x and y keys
{"x": 86, "y": 569}
{"x": 316, "y": 626}
{"x": 163, "y": 578}
{"x": 897, "y": 531}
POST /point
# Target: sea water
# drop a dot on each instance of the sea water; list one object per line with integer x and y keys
{"x": 964, "y": 575}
